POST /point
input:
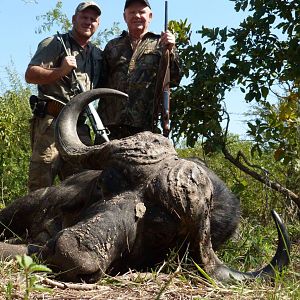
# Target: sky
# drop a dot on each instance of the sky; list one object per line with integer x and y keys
{"x": 20, "y": 40}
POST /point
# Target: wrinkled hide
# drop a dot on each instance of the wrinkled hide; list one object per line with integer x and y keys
{"x": 141, "y": 225}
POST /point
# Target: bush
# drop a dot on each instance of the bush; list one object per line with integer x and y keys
{"x": 14, "y": 143}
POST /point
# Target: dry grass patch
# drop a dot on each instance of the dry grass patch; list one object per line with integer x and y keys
{"x": 181, "y": 284}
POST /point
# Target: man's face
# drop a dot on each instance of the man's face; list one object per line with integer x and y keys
{"x": 86, "y": 22}
{"x": 138, "y": 17}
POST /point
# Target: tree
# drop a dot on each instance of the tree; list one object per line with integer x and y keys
{"x": 260, "y": 56}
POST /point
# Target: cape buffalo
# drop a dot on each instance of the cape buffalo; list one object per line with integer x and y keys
{"x": 134, "y": 201}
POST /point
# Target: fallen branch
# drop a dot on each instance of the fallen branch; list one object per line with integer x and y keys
{"x": 74, "y": 286}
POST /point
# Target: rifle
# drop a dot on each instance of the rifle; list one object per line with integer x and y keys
{"x": 91, "y": 112}
{"x": 162, "y": 89}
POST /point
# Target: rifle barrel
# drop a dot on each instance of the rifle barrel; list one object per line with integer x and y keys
{"x": 166, "y": 16}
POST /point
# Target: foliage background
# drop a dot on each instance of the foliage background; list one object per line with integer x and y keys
{"x": 14, "y": 138}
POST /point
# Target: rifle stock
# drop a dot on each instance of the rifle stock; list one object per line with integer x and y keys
{"x": 166, "y": 98}
{"x": 162, "y": 89}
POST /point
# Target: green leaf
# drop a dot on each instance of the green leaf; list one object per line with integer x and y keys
{"x": 39, "y": 268}
{"x": 40, "y": 288}
{"x": 24, "y": 261}
{"x": 27, "y": 261}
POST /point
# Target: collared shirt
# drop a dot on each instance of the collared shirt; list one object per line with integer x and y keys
{"x": 133, "y": 72}
{"x": 50, "y": 54}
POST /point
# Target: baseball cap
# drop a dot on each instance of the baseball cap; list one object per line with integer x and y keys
{"x": 128, "y": 2}
{"x": 84, "y": 5}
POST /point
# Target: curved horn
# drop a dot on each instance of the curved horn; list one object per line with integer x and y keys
{"x": 139, "y": 149}
{"x": 67, "y": 140}
{"x": 279, "y": 261}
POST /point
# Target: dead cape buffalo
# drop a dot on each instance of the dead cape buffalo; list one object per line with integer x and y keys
{"x": 134, "y": 202}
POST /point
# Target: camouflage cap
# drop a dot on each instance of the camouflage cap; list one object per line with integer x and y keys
{"x": 88, "y": 4}
{"x": 128, "y": 2}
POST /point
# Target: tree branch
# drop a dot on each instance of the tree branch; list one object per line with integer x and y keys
{"x": 264, "y": 179}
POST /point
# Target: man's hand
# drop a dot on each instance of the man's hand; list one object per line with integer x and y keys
{"x": 168, "y": 39}
{"x": 68, "y": 64}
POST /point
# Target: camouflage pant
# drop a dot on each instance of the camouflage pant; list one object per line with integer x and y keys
{"x": 46, "y": 163}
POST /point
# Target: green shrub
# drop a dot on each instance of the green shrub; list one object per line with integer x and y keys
{"x": 14, "y": 144}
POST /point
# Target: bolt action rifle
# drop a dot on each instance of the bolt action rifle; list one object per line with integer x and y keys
{"x": 162, "y": 89}
{"x": 91, "y": 112}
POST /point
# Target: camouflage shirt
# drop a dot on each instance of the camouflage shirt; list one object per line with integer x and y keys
{"x": 50, "y": 54}
{"x": 133, "y": 72}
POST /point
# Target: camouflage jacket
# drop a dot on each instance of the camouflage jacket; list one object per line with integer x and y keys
{"x": 89, "y": 67}
{"x": 133, "y": 72}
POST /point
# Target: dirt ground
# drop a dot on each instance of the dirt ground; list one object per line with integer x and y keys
{"x": 147, "y": 286}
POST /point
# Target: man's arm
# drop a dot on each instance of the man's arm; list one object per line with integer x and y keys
{"x": 46, "y": 66}
{"x": 42, "y": 75}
